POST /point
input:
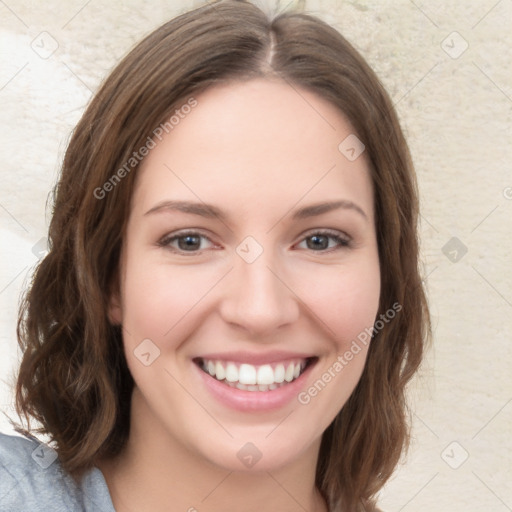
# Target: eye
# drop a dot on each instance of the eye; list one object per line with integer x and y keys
{"x": 323, "y": 241}
{"x": 186, "y": 242}
{"x": 193, "y": 242}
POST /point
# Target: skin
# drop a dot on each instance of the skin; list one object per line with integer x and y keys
{"x": 258, "y": 150}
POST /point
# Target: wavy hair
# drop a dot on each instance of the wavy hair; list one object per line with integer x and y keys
{"x": 73, "y": 378}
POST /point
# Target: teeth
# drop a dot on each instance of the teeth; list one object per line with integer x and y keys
{"x": 258, "y": 387}
{"x": 266, "y": 374}
{"x": 288, "y": 376}
{"x": 247, "y": 374}
{"x": 231, "y": 373}
{"x": 279, "y": 373}
{"x": 220, "y": 373}
{"x": 248, "y": 377}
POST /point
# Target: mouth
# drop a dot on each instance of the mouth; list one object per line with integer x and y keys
{"x": 256, "y": 378}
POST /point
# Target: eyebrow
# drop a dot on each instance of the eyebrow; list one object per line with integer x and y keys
{"x": 210, "y": 211}
{"x": 321, "y": 208}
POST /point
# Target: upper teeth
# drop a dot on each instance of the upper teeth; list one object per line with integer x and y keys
{"x": 249, "y": 374}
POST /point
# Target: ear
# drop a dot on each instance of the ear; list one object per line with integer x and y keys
{"x": 115, "y": 311}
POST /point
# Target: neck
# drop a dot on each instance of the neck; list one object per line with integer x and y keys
{"x": 154, "y": 472}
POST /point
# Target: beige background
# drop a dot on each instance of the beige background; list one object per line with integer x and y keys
{"x": 447, "y": 66}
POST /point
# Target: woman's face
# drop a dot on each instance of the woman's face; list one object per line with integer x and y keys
{"x": 249, "y": 267}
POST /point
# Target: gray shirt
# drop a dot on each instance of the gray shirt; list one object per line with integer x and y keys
{"x": 32, "y": 479}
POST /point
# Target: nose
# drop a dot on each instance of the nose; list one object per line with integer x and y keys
{"x": 258, "y": 298}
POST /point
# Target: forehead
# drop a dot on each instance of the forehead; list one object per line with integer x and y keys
{"x": 254, "y": 145}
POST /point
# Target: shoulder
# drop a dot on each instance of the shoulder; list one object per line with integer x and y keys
{"x": 31, "y": 478}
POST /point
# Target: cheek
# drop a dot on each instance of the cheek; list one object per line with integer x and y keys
{"x": 160, "y": 298}
{"x": 346, "y": 303}
{"x": 344, "y": 299}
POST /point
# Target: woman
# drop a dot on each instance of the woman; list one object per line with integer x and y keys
{"x": 231, "y": 306}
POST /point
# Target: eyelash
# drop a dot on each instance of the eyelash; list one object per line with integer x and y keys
{"x": 343, "y": 241}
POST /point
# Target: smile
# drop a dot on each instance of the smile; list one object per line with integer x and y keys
{"x": 249, "y": 377}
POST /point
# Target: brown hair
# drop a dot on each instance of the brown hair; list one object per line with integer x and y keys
{"x": 74, "y": 379}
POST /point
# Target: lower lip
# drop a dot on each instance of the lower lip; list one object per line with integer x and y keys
{"x": 253, "y": 400}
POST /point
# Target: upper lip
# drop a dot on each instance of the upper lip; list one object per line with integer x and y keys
{"x": 255, "y": 358}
